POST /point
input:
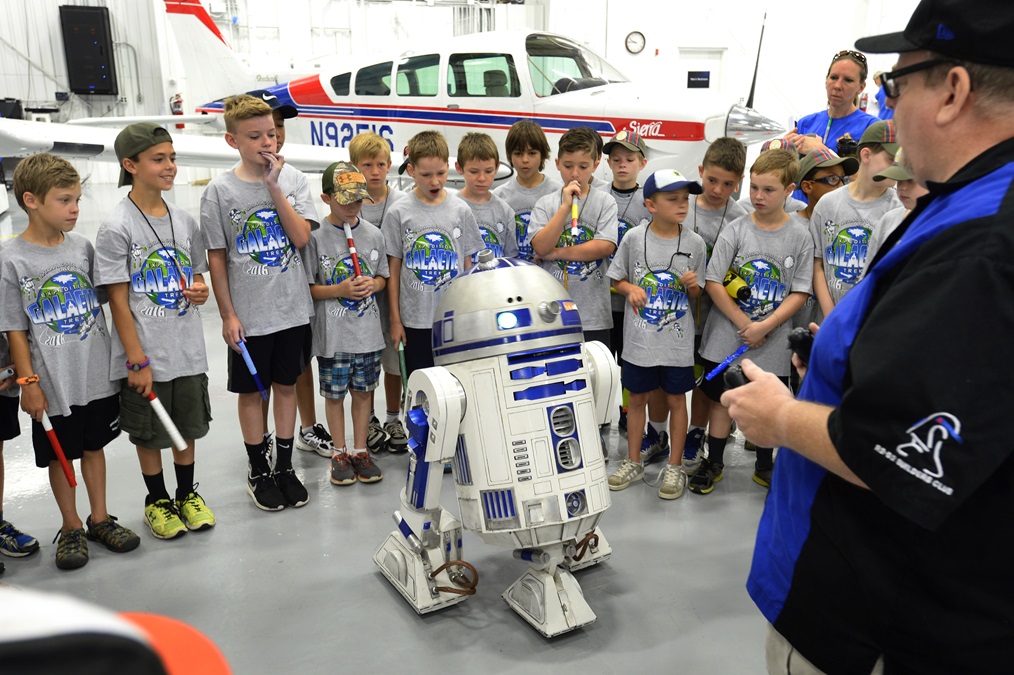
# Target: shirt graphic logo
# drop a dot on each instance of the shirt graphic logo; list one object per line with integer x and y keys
{"x": 336, "y": 271}
{"x": 432, "y": 258}
{"x": 262, "y": 237}
{"x": 521, "y": 222}
{"x": 766, "y": 288}
{"x": 159, "y": 278}
{"x": 582, "y": 270}
{"x": 922, "y": 455}
{"x": 847, "y": 253}
{"x": 66, "y": 303}
{"x": 666, "y": 301}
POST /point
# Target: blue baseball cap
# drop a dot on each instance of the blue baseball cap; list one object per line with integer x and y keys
{"x": 669, "y": 180}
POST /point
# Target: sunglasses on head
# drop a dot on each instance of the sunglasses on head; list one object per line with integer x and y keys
{"x": 849, "y": 52}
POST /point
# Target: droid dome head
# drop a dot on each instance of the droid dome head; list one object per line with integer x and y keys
{"x": 502, "y": 306}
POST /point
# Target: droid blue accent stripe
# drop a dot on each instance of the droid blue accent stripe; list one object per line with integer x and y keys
{"x": 406, "y": 531}
{"x": 510, "y": 502}
{"x": 505, "y": 340}
{"x": 564, "y": 366}
{"x": 549, "y": 390}
{"x": 543, "y": 354}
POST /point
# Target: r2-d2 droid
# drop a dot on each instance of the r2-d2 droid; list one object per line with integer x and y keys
{"x": 514, "y": 403}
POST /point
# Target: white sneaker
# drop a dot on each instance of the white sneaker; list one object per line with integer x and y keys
{"x": 674, "y": 482}
{"x": 316, "y": 439}
{"x": 625, "y": 474}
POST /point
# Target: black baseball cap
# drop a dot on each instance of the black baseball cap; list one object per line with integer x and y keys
{"x": 977, "y": 31}
{"x": 287, "y": 111}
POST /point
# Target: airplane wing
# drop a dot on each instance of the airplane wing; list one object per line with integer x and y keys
{"x": 19, "y": 138}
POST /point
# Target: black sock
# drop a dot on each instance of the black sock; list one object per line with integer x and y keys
{"x": 258, "y": 461}
{"x": 283, "y": 454}
{"x": 765, "y": 460}
{"x": 184, "y": 480}
{"x": 716, "y": 450}
{"x": 156, "y": 488}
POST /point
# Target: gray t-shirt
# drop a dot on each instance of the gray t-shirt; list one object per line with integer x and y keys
{"x": 128, "y": 251}
{"x": 47, "y": 291}
{"x": 341, "y": 325}
{"x": 585, "y": 281}
{"x": 375, "y": 214}
{"x": 5, "y": 360}
{"x": 523, "y": 200}
{"x": 791, "y": 204}
{"x": 662, "y": 332}
{"x": 810, "y": 310}
{"x": 431, "y": 241}
{"x": 266, "y": 276}
{"x": 631, "y": 213}
{"x": 888, "y": 224}
{"x": 841, "y": 228}
{"x": 708, "y": 223}
{"x": 774, "y": 263}
{"x": 496, "y": 227}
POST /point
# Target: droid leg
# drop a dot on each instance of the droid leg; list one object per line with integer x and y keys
{"x": 592, "y": 550}
{"x": 548, "y": 596}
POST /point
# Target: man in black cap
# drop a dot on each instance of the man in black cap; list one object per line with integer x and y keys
{"x": 885, "y": 544}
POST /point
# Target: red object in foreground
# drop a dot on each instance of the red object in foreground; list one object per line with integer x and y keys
{"x": 58, "y": 449}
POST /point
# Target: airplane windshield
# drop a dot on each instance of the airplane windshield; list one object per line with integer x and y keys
{"x": 558, "y": 65}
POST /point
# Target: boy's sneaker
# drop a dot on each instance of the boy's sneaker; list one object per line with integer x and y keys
{"x": 365, "y": 469}
{"x": 625, "y": 474}
{"x": 14, "y": 542}
{"x": 194, "y": 513}
{"x": 116, "y": 537}
{"x": 292, "y": 489}
{"x": 693, "y": 451}
{"x": 376, "y": 437}
{"x": 707, "y": 475}
{"x": 163, "y": 520}
{"x": 264, "y": 491}
{"x": 342, "y": 472}
{"x": 654, "y": 445}
{"x": 397, "y": 439}
{"x": 674, "y": 482}
{"x": 763, "y": 477}
{"x": 72, "y": 551}
{"x": 316, "y": 439}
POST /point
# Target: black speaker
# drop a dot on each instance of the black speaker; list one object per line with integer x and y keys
{"x": 88, "y": 48}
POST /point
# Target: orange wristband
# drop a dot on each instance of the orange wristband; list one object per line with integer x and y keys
{"x": 31, "y": 379}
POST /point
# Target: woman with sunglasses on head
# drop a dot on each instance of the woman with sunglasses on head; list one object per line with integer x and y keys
{"x": 845, "y": 81}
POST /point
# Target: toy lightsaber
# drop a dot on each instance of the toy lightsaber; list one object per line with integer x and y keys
{"x": 573, "y": 218}
{"x": 725, "y": 364}
{"x": 58, "y": 449}
{"x": 167, "y": 422}
{"x": 253, "y": 370}
{"x": 352, "y": 250}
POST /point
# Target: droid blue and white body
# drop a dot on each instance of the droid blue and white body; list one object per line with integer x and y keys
{"x": 514, "y": 403}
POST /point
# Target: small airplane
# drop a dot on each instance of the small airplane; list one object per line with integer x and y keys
{"x": 483, "y": 82}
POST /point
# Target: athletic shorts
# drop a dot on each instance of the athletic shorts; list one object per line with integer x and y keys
{"x": 418, "y": 349}
{"x": 88, "y": 428}
{"x": 186, "y": 400}
{"x": 670, "y": 379}
{"x": 10, "y": 425}
{"x": 343, "y": 371}
{"x": 279, "y": 357}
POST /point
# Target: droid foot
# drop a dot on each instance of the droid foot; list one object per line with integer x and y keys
{"x": 551, "y": 603}
{"x": 408, "y": 573}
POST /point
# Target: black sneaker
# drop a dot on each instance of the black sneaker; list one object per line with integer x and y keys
{"x": 376, "y": 437}
{"x": 72, "y": 551}
{"x": 293, "y": 491}
{"x": 116, "y": 537}
{"x": 265, "y": 493}
{"x": 707, "y": 475}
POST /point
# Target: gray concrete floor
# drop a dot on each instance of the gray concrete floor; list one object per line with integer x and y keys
{"x": 297, "y": 591}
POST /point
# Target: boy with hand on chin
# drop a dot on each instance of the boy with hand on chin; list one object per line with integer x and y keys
{"x": 578, "y": 256}
{"x": 254, "y": 218}
{"x": 660, "y": 269}
{"x": 150, "y": 257}
{"x": 773, "y": 253}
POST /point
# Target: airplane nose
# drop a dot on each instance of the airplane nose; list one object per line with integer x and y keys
{"x": 744, "y": 124}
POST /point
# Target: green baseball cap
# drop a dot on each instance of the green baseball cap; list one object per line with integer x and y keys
{"x": 135, "y": 139}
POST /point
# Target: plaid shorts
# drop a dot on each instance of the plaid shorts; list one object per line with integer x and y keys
{"x": 338, "y": 374}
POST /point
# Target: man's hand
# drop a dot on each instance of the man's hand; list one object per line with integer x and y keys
{"x": 756, "y": 406}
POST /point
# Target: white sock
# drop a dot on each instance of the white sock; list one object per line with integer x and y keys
{"x": 305, "y": 430}
{"x": 359, "y": 451}
{"x": 659, "y": 427}
{"x": 338, "y": 451}
{"x": 391, "y": 417}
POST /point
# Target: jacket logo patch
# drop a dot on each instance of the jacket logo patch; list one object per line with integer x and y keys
{"x": 921, "y": 455}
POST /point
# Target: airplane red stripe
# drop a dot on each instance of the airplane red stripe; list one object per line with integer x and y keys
{"x": 307, "y": 91}
{"x": 195, "y": 8}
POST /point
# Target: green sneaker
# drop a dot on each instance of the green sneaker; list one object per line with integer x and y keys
{"x": 72, "y": 551}
{"x": 163, "y": 521}
{"x": 195, "y": 513}
{"x": 116, "y": 537}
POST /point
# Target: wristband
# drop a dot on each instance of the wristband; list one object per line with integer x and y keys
{"x": 31, "y": 379}
{"x": 138, "y": 366}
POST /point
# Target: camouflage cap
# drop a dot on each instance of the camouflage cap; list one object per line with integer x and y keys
{"x": 345, "y": 182}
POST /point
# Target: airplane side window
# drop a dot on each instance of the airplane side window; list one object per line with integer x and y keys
{"x": 558, "y": 65}
{"x": 482, "y": 75}
{"x": 340, "y": 84}
{"x": 419, "y": 75}
{"x": 374, "y": 80}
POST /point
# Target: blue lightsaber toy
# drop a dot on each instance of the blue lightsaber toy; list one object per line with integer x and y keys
{"x": 726, "y": 363}
{"x": 253, "y": 370}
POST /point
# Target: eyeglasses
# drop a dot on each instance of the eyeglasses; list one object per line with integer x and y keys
{"x": 833, "y": 180}
{"x": 890, "y": 80}
{"x": 848, "y": 52}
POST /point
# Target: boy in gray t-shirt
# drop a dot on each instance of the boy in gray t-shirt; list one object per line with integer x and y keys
{"x": 151, "y": 260}
{"x": 477, "y": 161}
{"x": 347, "y": 338}
{"x": 52, "y": 314}
{"x": 255, "y": 218}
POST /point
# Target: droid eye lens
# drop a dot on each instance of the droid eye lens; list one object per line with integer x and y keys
{"x": 506, "y": 320}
